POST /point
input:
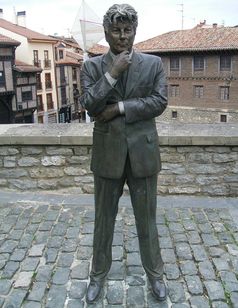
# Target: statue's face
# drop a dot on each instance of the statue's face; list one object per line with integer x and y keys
{"x": 120, "y": 36}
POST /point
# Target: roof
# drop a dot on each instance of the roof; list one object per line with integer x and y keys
{"x": 98, "y": 49}
{"x": 29, "y": 34}
{"x": 4, "y": 40}
{"x": 199, "y": 38}
{"x": 71, "y": 58}
{"x": 25, "y": 68}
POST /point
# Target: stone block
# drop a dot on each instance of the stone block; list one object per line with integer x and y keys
{"x": 9, "y": 162}
{"x": 75, "y": 171}
{"x": 37, "y": 250}
{"x": 194, "y": 285}
{"x": 53, "y": 161}
{"x": 135, "y": 297}
{"x": 56, "y": 297}
{"x": 206, "y": 270}
{"x": 22, "y": 184}
{"x": 46, "y": 172}
{"x": 215, "y": 290}
{"x": 8, "y": 150}
{"x": 28, "y": 150}
{"x": 28, "y": 161}
{"x": 115, "y": 292}
{"x": 64, "y": 151}
{"x": 47, "y": 184}
{"x": 176, "y": 291}
{"x": 24, "y": 280}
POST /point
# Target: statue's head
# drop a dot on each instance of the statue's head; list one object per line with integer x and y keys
{"x": 120, "y": 23}
{"x": 120, "y": 12}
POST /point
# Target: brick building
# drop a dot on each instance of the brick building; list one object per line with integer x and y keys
{"x": 202, "y": 69}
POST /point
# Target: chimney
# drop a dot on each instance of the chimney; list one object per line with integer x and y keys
{"x": 21, "y": 18}
{"x": 1, "y": 13}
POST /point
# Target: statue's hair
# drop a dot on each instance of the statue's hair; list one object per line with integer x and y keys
{"x": 120, "y": 12}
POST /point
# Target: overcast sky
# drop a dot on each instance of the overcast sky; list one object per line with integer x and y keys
{"x": 155, "y": 16}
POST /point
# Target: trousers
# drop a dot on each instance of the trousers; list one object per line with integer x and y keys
{"x": 143, "y": 193}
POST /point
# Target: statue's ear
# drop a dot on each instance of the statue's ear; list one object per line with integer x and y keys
{"x": 106, "y": 35}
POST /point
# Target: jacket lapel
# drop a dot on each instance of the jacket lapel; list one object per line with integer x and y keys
{"x": 132, "y": 77}
{"x": 133, "y": 73}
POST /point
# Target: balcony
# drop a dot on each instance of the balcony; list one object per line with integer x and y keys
{"x": 47, "y": 64}
{"x": 37, "y": 63}
{"x": 48, "y": 84}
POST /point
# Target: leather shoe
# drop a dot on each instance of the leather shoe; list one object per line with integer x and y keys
{"x": 93, "y": 291}
{"x": 159, "y": 289}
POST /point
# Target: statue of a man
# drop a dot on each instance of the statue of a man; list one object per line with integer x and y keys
{"x": 124, "y": 91}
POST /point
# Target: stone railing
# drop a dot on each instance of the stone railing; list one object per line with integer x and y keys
{"x": 197, "y": 159}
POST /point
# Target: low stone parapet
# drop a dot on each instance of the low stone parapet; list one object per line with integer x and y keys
{"x": 197, "y": 159}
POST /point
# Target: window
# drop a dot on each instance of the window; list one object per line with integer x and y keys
{"x": 46, "y": 59}
{"x": 198, "y": 91}
{"x": 63, "y": 95}
{"x": 224, "y": 93}
{"x": 50, "y": 104}
{"x": 38, "y": 82}
{"x": 174, "y": 90}
{"x": 2, "y": 78}
{"x": 198, "y": 63}
{"x": 36, "y": 60}
{"x": 223, "y": 118}
{"x": 174, "y": 64}
{"x": 40, "y": 106}
{"x": 225, "y": 63}
{"x": 62, "y": 75}
{"x": 48, "y": 83}
{"x": 174, "y": 114}
{"x": 46, "y": 54}
{"x": 61, "y": 54}
{"x": 26, "y": 96}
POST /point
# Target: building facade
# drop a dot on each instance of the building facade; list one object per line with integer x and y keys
{"x": 7, "y": 90}
{"x": 38, "y": 50}
{"x": 18, "y": 100}
{"x": 201, "y": 65}
{"x": 68, "y": 61}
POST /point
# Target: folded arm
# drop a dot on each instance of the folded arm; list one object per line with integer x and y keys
{"x": 144, "y": 108}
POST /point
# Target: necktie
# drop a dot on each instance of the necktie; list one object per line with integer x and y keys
{"x": 124, "y": 80}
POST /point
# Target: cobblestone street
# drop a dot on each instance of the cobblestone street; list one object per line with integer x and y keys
{"x": 46, "y": 250}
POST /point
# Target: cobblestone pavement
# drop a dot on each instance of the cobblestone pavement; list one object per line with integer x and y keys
{"x": 46, "y": 250}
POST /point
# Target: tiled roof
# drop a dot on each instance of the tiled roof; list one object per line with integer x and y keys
{"x": 71, "y": 58}
{"x": 26, "y": 68}
{"x": 198, "y": 38}
{"x": 4, "y": 40}
{"x": 98, "y": 49}
{"x": 29, "y": 34}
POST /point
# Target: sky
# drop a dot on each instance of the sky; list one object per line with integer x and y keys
{"x": 56, "y": 17}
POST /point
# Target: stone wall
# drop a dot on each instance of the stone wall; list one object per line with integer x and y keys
{"x": 196, "y": 159}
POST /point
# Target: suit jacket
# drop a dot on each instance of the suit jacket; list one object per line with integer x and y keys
{"x": 134, "y": 133}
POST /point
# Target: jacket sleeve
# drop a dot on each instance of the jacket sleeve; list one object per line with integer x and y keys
{"x": 145, "y": 108}
{"x": 94, "y": 91}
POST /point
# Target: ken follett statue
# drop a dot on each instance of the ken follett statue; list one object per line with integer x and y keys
{"x": 124, "y": 91}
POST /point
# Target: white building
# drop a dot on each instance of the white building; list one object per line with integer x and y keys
{"x": 38, "y": 50}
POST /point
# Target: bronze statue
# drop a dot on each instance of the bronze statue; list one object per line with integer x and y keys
{"x": 124, "y": 91}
